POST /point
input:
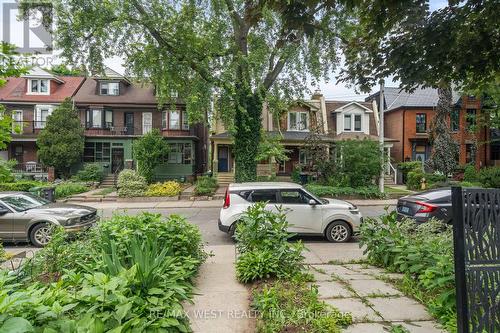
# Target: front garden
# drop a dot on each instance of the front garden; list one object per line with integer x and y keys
{"x": 127, "y": 274}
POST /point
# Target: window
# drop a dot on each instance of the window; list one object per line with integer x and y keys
{"x": 17, "y": 121}
{"x": 294, "y": 197}
{"x": 174, "y": 120}
{"x": 38, "y": 86}
{"x": 298, "y": 121}
{"x": 180, "y": 153}
{"x": 495, "y": 152}
{"x": 471, "y": 119}
{"x": 185, "y": 121}
{"x": 96, "y": 118}
{"x": 421, "y": 123}
{"x": 41, "y": 114}
{"x": 97, "y": 152}
{"x": 303, "y": 157}
{"x": 455, "y": 120}
{"x": 263, "y": 195}
{"x": 99, "y": 118}
{"x": 470, "y": 153}
{"x": 110, "y": 88}
{"x": 347, "y": 122}
{"x": 108, "y": 118}
{"x": 357, "y": 122}
{"x": 164, "y": 116}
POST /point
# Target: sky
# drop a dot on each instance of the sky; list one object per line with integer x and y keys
{"x": 12, "y": 30}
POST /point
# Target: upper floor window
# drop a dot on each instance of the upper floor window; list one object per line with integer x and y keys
{"x": 421, "y": 122}
{"x": 455, "y": 120}
{"x": 110, "y": 88}
{"x": 175, "y": 120}
{"x": 38, "y": 86}
{"x": 185, "y": 121}
{"x": 352, "y": 122}
{"x": 41, "y": 114}
{"x": 471, "y": 119}
{"x": 99, "y": 118}
{"x": 298, "y": 121}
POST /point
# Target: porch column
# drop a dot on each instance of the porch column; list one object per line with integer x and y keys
{"x": 388, "y": 160}
{"x": 215, "y": 158}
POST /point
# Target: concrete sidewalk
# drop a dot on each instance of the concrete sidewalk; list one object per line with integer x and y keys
{"x": 199, "y": 204}
{"x": 222, "y": 304}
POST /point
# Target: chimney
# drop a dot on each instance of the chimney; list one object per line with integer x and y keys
{"x": 317, "y": 94}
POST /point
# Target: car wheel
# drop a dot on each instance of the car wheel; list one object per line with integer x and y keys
{"x": 41, "y": 234}
{"x": 338, "y": 232}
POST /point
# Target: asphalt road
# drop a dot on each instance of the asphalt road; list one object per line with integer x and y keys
{"x": 206, "y": 220}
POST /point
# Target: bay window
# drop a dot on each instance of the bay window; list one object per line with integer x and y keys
{"x": 185, "y": 121}
{"x": 174, "y": 120}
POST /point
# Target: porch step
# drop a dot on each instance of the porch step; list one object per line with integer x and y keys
{"x": 224, "y": 179}
{"x": 108, "y": 181}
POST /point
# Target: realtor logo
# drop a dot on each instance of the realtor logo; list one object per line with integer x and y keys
{"x": 29, "y": 35}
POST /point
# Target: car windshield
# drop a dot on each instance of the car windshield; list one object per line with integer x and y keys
{"x": 23, "y": 202}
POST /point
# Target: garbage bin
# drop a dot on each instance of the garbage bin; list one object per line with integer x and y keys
{"x": 303, "y": 178}
{"x": 48, "y": 193}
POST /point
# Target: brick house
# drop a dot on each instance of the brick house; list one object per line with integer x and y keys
{"x": 114, "y": 111}
{"x": 332, "y": 120}
{"x": 408, "y": 116}
{"x": 30, "y": 99}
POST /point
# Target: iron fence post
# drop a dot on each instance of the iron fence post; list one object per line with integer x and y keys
{"x": 458, "y": 245}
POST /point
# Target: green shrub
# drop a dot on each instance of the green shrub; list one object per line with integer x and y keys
{"x": 6, "y": 167}
{"x": 166, "y": 189}
{"x": 91, "y": 172}
{"x": 296, "y": 174}
{"x": 262, "y": 240}
{"x": 23, "y": 185}
{"x": 490, "y": 177}
{"x": 67, "y": 189}
{"x": 205, "y": 185}
{"x": 470, "y": 173}
{"x": 286, "y": 305}
{"x": 414, "y": 179}
{"x": 424, "y": 253}
{"x": 432, "y": 178}
{"x": 131, "y": 184}
{"x": 371, "y": 192}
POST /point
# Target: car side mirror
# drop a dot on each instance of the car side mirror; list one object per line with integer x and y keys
{"x": 312, "y": 202}
{"x": 3, "y": 211}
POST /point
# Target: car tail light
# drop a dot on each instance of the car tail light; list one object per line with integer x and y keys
{"x": 227, "y": 200}
{"x": 426, "y": 207}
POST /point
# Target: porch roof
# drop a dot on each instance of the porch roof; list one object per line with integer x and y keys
{"x": 287, "y": 136}
{"x": 360, "y": 136}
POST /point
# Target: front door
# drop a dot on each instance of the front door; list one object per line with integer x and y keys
{"x": 129, "y": 123}
{"x": 223, "y": 156}
{"x": 303, "y": 217}
{"x": 116, "y": 159}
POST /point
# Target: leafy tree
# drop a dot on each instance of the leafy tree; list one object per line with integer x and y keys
{"x": 149, "y": 151}
{"x": 60, "y": 143}
{"x": 318, "y": 152}
{"x": 65, "y": 71}
{"x": 243, "y": 51}
{"x": 9, "y": 67}
{"x": 272, "y": 150}
{"x": 444, "y": 154}
{"x": 6, "y": 167}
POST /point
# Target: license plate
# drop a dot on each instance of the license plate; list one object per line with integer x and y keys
{"x": 404, "y": 209}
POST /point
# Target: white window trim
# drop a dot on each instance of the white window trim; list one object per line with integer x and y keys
{"x": 149, "y": 127}
{"x": 170, "y": 120}
{"x": 184, "y": 121}
{"x": 298, "y": 120}
{"x": 353, "y": 116}
{"x": 15, "y": 122}
{"x": 38, "y": 114}
{"x": 30, "y": 92}
{"x": 108, "y": 82}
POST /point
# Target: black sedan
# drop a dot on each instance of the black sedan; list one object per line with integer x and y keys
{"x": 425, "y": 205}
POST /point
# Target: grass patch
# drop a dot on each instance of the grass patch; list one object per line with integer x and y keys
{"x": 105, "y": 191}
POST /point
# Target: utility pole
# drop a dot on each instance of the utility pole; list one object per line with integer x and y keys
{"x": 381, "y": 136}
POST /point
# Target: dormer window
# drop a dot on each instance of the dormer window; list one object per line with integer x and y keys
{"x": 38, "y": 86}
{"x": 110, "y": 88}
{"x": 298, "y": 121}
{"x": 352, "y": 122}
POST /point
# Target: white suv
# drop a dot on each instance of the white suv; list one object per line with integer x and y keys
{"x": 337, "y": 220}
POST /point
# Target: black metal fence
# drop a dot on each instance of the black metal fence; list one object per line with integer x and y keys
{"x": 476, "y": 234}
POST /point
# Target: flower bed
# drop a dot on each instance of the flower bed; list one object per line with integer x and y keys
{"x": 128, "y": 274}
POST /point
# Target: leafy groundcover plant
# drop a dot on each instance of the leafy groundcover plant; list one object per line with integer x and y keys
{"x": 424, "y": 253}
{"x": 128, "y": 274}
{"x": 167, "y": 189}
{"x": 205, "y": 185}
{"x": 282, "y": 295}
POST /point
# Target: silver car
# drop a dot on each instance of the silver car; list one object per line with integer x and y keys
{"x": 25, "y": 217}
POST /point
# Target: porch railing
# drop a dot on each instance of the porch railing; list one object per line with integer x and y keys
{"x": 30, "y": 167}
{"x": 392, "y": 171}
{"x": 27, "y": 126}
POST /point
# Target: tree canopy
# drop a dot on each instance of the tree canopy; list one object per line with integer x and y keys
{"x": 244, "y": 51}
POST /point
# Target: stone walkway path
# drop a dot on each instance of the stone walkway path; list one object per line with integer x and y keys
{"x": 375, "y": 305}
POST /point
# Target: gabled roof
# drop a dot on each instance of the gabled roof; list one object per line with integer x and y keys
{"x": 422, "y": 97}
{"x": 15, "y": 90}
{"x": 339, "y": 109}
{"x": 39, "y": 73}
{"x": 110, "y": 74}
{"x": 332, "y": 105}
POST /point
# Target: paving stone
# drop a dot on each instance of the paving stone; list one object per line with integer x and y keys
{"x": 372, "y": 270}
{"x": 423, "y": 327}
{"x": 320, "y": 276}
{"x": 365, "y": 328}
{"x": 358, "y": 276}
{"x": 332, "y": 289}
{"x": 360, "y": 312}
{"x": 399, "y": 309}
{"x": 394, "y": 276}
{"x": 373, "y": 287}
{"x": 335, "y": 269}
{"x": 354, "y": 267}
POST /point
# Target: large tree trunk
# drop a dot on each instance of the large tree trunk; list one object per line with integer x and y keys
{"x": 247, "y": 134}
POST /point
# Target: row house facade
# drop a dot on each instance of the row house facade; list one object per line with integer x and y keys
{"x": 408, "y": 116}
{"x": 331, "y": 120}
{"x": 114, "y": 112}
